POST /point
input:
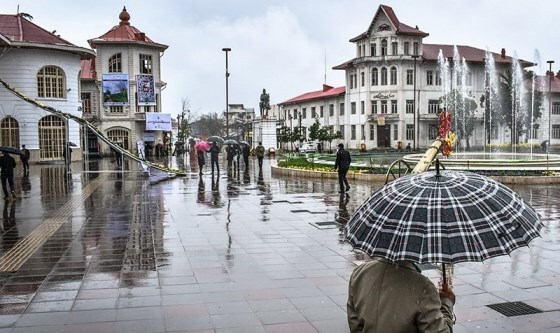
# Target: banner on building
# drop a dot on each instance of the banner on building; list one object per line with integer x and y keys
{"x": 149, "y": 136}
{"x": 380, "y": 120}
{"x": 115, "y": 89}
{"x": 156, "y": 121}
{"x": 146, "y": 90}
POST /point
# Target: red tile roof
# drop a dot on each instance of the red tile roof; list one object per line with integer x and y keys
{"x": 401, "y": 28}
{"x": 125, "y": 33}
{"x": 327, "y": 91}
{"x": 542, "y": 84}
{"x": 17, "y": 31}
{"x": 88, "y": 69}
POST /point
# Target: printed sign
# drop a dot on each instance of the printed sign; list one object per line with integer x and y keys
{"x": 146, "y": 90}
{"x": 149, "y": 136}
{"x": 156, "y": 121}
{"x": 115, "y": 89}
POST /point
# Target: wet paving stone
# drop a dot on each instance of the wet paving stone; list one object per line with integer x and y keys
{"x": 54, "y": 306}
{"x": 12, "y": 308}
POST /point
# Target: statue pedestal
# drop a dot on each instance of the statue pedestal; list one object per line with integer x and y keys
{"x": 264, "y": 130}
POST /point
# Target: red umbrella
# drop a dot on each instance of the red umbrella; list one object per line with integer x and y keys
{"x": 202, "y": 145}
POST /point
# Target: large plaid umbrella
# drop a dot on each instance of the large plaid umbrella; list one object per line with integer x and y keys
{"x": 442, "y": 217}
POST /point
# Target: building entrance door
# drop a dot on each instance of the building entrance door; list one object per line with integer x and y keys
{"x": 384, "y": 136}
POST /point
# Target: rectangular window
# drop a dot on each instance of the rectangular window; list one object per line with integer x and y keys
{"x": 341, "y": 130}
{"x": 394, "y": 48}
{"x": 353, "y": 107}
{"x": 556, "y": 131}
{"x": 363, "y": 132}
{"x": 371, "y": 132}
{"x": 331, "y": 110}
{"x": 362, "y": 107}
{"x": 313, "y": 114}
{"x": 438, "y": 78}
{"x": 321, "y": 112}
{"x": 374, "y": 107}
{"x": 430, "y": 78}
{"x": 394, "y": 106}
{"x": 374, "y": 77}
{"x": 116, "y": 109}
{"x": 145, "y": 64}
{"x": 534, "y": 131}
{"x": 373, "y": 50}
{"x": 409, "y": 106}
{"x": 341, "y": 109}
{"x": 395, "y": 132}
{"x": 416, "y": 48}
{"x": 363, "y": 78}
{"x": 352, "y": 132}
{"x": 433, "y": 132}
{"x": 410, "y": 132}
{"x": 406, "y": 48}
{"x": 304, "y": 113}
{"x": 86, "y": 102}
{"x": 555, "y": 107}
{"x": 433, "y": 106}
{"x": 409, "y": 77}
{"x": 384, "y": 106}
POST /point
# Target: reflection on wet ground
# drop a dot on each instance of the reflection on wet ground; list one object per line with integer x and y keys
{"x": 242, "y": 252}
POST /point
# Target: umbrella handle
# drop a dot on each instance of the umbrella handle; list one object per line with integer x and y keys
{"x": 444, "y": 285}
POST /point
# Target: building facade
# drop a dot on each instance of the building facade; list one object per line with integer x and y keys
{"x": 122, "y": 87}
{"x": 46, "y": 68}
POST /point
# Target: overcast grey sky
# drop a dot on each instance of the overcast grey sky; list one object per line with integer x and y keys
{"x": 281, "y": 45}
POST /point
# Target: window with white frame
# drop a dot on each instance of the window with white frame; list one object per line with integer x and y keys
{"x": 362, "y": 107}
{"x": 374, "y": 77}
{"x": 313, "y": 113}
{"x": 363, "y": 78}
{"x": 409, "y": 106}
{"x": 145, "y": 64}
{"x": 410, "y": 132}
{"x": 393, "y": 75}
{"x": 433, "y": 106}
{"x": 433, "y": 131}
{"x": 395, "y": 132}
{"x": 331, "y": 110}
{"x": 373, "y": 50}
{"x": 341, "y": 109}
{"x": 406, "y": 48}
{"x": 384, "y": 47}
{"x": 86, "y": 103}
{"x": 9, "y": 132}
{"x": 371, "y": 132}
{"x": 394, "y": 107}
{"x": 52, "y": 138}
{"x": 416, "y": 48}
{"x": 374, "y": 107}
{"x": 119, "y": 135}
{"x": 321, "y": 112}
{"x": 116, "y": 109}
{"x": 115, "y": 63}
{"x": 394, "y": 48}
{"x": 409, "y": 77}
{"x": 51, "y": 82}
{"x": 353, "y": 107}
{"x": 555, "y": 108}
{"x": 363, "y": 132}
{"x": 384, "y": 106}
{"x": 352, "y": 132}
{"x": 430, "y": 77}
{"x": 534, "y": 131}
{"x": 438, "y": 78}
{"x": 341, "y": 130}
{"x": 304, "y": 113}
{"x": 384, "y": 76}
{"x": 556, "y": 131}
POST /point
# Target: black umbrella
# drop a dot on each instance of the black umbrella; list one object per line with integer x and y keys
{"x": 244, "y": 143}
{"x": 442, "y": 217}
{"x": 10, "y": 150}
{"x": 215, "y": 138}
{"x": 231, "y": 142}
{"x": 72, "y": 144}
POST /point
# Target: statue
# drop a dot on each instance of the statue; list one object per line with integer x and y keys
{"x": 264, "y": 104}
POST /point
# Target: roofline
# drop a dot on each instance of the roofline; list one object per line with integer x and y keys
{"x": 82, "y": 51}
{"x": 286, "y": 103}
{"x": 95, "y": 41}
{"x": 5, "y": 40}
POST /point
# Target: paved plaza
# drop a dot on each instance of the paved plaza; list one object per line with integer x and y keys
{"x": 110, "y": 251}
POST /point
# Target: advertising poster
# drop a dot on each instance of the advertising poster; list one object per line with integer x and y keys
{"x": 115, "y": 89}
{"x": 146, "y": 90}
{"x": 156, "y": 121}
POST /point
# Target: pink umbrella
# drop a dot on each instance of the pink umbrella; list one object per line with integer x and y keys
{"x": 202, "y": 145}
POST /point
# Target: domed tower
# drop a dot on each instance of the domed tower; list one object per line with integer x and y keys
{"x": 126, "y": 86}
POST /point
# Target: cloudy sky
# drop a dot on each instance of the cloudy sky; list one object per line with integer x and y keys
{"x": 281, "y": 45}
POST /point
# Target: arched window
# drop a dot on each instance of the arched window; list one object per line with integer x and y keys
{"x": 374, "y": 77}
{"x": 393, "y": 75}
{"x": 384, "y": 76}
{"x": 9, "y": 132}
{"x": 384, "y": 47}
{"x": 119, "y": 135}
{"x": 115, "y": 64}
{"x": 52, "y": 131}
{"x": 51, "y": 83}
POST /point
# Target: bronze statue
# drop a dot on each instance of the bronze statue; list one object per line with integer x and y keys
{"x": 264, "y": 104}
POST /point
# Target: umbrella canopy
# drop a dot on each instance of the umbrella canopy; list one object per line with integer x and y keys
{"x": 72, "y": 144}
{"x": 447, "y": 217}
{"x": 202, "y": 145}
{"x": 231, "y": 142}
{"x": 244, "y": 143}
{"x": 215, "y": 138}
{"x": 10, "y": 150}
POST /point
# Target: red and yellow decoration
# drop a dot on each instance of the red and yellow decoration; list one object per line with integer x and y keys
{"x": 447, "y": 137}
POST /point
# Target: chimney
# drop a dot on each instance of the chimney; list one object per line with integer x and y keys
{"x": 503, "y": 52}
{"x": 326, "y": 87}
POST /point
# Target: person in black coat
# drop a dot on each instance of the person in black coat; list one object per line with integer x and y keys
{"x": 246, "y": 152}
{"x": 201, "y": 160}
{"x": 7, "y": 165}
{"x": 214, "y": 152}
{"x": 342, "y": 163}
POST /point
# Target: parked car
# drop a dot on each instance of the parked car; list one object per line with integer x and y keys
{"x": 307, "y": 147}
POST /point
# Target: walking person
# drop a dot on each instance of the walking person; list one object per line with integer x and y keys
{"x": 342, "y": 163}
{"x": 230, "y": 150}
{"x": 260, "y": 154}
{"x": 214, "y": 152}
{"x": 7, "y": 165}
{"x": 246, "y": 152}
{"x": 24, "y": 157}
{"x": 201, "y": 161}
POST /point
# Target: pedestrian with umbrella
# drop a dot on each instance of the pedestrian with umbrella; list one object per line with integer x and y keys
{"x": 245, "y": 151}
{"x": 214, "y": 152}
{"x": 201, "y": 160}
{"x": 25, "y": 155}
{"x": 442, "y": 217}
{"x": 7, "y": 165}
{"x": 259, "y": 151}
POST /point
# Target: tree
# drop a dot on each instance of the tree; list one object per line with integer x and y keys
{"x": 284, "y": 134}
{"x": 462, "y": 108}
{"x": 314, "y": 131}
{"x": 210, "y": 124}
{"x": 184, "y": 121}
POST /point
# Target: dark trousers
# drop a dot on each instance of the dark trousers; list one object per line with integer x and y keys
{"x": 25, "y": 163}
{"x": 260, "y": 158}
{"x": 246, "y": 161}
{"x": 7, "y": 179}
{"x": 342, "y": 181}
{"x": 214, "y": 161}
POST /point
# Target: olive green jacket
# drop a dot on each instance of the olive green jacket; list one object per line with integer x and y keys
{"x": 386, "y": 297}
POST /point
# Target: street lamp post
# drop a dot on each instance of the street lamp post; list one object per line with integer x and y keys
{"x": 550, "y": 76}
{"x": 226, "y": 50}
{"x": 415, "y": 56}
{"x": 291, "y": 132}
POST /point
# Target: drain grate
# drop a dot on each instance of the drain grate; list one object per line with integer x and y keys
{"x": 325, "y": 225}
{"x": 512, "y": 309}
{"x": 300, "y": 211}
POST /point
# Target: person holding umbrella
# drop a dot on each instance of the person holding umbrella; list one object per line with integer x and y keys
{"x": 246, "y": 151}
{"x": 7, "y": 165}
{"x": 25, "y": 155}
{"x": 214, "y": 152}
{"x": 342, "y": 163}
{"x": 201, "y": 161}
